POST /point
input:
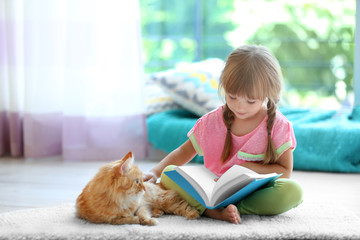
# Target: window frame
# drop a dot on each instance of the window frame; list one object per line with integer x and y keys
{"x": 357, "y": 57}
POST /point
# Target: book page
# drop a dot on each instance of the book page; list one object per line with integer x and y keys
{"x": 233, "y": 180}
{"x": 232, "y": 173}
{"x": 230, "y": 189}
{"x": 201, "y": 178}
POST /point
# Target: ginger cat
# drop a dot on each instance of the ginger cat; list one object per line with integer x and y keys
{"x": 118, "y": 195}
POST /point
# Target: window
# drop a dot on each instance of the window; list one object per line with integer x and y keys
{"x": 313, "y": 40}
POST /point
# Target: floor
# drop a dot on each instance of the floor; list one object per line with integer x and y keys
{"x": 47, "y": 182}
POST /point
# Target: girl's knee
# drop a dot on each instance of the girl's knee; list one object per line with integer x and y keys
{"x": 278, "y": 197}
{"x": 168, "y": 168}
{"x": 291, "y": 191}
{"x": 165, "y": 180}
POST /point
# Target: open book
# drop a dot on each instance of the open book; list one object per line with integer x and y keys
{"x": 235, "y": 184}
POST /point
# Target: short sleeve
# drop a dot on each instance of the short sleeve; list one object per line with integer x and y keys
{"x": 283, "y": 134}
{"x": 207, "y": 135}
{"x": 195, "y": 136}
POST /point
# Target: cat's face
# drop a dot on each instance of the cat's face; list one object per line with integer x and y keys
{"x": 124, "y": 179}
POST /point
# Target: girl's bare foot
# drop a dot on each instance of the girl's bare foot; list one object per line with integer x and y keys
{"x": 230, "y": 214}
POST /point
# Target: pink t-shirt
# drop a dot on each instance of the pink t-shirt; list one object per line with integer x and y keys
{"x": 208, "y": 138}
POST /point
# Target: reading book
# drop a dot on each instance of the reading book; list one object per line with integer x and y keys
{"x": 235, "y": 184}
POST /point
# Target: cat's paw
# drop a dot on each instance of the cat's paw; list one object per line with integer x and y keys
{"x": 157, "y": 212}
{"x": 192, "y": 214}
{"x": 148, "y": 221}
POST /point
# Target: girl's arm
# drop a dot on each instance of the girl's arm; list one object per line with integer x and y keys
{"x": 284, "y": 165}
{"x": 179, "y": 157}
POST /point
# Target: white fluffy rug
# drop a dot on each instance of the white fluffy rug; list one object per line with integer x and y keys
{"x": 308, "y": 221}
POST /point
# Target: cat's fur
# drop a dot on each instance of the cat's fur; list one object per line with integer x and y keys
{"x": 118, "y": 195}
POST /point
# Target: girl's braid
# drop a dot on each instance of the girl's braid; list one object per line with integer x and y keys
{"x": 228, "y": 117}
{"x": 270, "y": 154}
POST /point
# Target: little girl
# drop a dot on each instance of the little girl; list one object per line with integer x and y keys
{"x": 249, "y": 131}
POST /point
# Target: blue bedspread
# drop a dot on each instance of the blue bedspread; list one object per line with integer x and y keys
{"x": 324, "y": 142}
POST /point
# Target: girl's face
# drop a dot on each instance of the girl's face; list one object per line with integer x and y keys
{"x": 242, "y": 107}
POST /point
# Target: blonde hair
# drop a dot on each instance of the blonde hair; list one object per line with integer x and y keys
{"x": 251, "y": 71}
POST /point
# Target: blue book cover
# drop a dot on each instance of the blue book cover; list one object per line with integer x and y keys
{"x": 234, "y": 198}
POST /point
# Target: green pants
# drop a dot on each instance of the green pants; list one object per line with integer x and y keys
{"x": 275, "y": 198}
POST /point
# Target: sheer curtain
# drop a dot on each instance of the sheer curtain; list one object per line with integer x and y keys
{"x": 71, "y": 79}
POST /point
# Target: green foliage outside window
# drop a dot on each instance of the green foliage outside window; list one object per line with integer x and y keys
{"x": 313, "y": 40}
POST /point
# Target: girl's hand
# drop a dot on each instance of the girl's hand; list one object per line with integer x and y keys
{"x": 150, "y": 177}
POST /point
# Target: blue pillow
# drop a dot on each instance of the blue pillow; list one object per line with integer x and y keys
{"x": 193, "y": 86}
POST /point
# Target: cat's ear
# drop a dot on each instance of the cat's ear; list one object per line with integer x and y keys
{"x": 126, "y": 163}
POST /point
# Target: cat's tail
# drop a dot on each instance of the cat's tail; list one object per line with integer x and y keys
{"x": 173, "y": 203}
